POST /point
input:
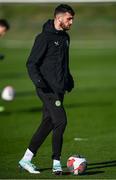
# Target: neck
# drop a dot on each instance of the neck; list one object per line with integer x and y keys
{"x": 57, "y": 25}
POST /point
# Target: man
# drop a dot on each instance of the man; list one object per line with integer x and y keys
{"x": 48, "y": 67}
{"x": 4, "y": 27}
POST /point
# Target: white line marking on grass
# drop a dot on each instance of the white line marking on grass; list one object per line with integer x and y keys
{"x": 80, "y": 139}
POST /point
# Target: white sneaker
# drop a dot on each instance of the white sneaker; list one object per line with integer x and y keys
{"x": 57, "y": 169}
{"x": 28, "y": 166}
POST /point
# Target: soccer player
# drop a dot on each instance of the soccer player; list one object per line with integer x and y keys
{"x": 4, "y": 27}
{"x": 48, "y": 68}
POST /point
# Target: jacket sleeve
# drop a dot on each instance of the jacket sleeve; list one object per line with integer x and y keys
{"x": 35, "y": 60}
{"x": 70, "y": 81}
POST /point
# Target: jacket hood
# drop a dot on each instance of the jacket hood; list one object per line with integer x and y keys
{"x": 49, "y": 27}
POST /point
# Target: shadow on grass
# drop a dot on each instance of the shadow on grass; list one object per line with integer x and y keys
{"x": 90, "y": 170}
{"x": 99, "y": 165}
{"x": 65, "y": 173}
{"x": 104, "y": 164}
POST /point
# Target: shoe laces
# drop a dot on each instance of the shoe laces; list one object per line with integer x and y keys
{"x": 32, "y": 165}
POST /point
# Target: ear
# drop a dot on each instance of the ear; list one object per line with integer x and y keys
{"x": 59, "y": 17}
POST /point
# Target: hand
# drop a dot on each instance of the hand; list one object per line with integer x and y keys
{"x": 70, "y": 84}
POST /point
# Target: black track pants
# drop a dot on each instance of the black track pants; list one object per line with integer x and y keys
{"x": 54, "y": 119}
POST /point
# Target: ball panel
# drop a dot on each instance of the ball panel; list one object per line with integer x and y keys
{"x": 76, "y": 164}
{"x": 81, "y": 168}
{"x": 70, "y": 164}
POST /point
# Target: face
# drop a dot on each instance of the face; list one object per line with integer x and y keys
{"x": 66, "y": 20}
{"x": 2, "y": 30}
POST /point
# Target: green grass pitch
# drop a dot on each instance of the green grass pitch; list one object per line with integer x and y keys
{"x": 90, "y": 107}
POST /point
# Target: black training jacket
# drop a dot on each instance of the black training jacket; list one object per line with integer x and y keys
{"x": 48, "y": 63}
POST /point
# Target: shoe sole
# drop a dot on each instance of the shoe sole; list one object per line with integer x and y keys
{"x": 58, "y": 173}
{"x": 23, "y": 169}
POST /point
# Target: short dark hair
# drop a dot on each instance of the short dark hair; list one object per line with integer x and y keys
{"x": 63, "y": 8}
{"x": 4, "y": 23}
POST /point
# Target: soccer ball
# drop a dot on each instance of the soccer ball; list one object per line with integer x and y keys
{"x": 8, "y": 93}
{"x": 77, "y": 164}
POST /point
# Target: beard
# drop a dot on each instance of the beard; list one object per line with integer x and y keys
{"x": 64, "y": 27}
